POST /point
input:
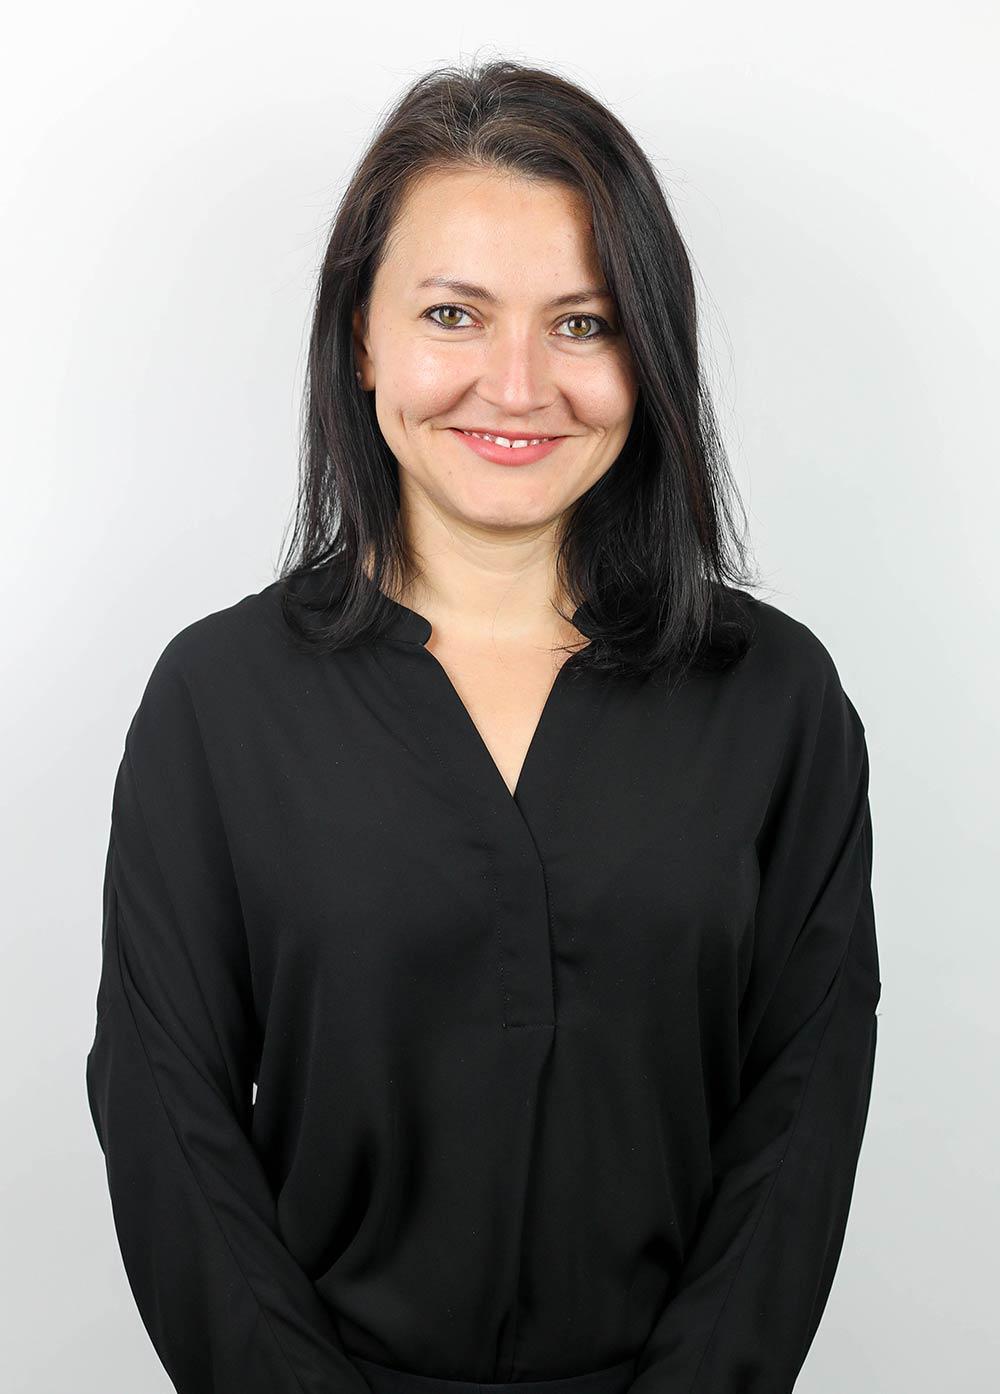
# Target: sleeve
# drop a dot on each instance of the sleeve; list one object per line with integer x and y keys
{"x": 169, "y": 1083}
{"x": 741, "y": 1314}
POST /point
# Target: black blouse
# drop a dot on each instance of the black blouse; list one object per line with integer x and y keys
{"x": 395, "y": 1069}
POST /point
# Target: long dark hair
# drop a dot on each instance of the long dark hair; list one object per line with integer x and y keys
{"x": 650, "y": 550}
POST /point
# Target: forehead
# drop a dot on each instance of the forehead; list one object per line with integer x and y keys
{"x": 491, "y": 228}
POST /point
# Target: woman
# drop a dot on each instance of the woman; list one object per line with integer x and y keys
{"x": 489, "y": 962}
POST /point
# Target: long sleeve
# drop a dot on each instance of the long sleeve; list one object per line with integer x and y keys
{"x": 169, "y": 1081}
{"x": 742, "y": 1312}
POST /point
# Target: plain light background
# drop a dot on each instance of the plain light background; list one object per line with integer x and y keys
{"x": 168, "y": 175}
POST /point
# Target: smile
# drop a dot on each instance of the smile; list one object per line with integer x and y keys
{"x": 512, "y": 442}
{"x": 505, "y": 450}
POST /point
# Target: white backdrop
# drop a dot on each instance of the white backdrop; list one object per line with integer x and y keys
{"x": 168, "y": 174}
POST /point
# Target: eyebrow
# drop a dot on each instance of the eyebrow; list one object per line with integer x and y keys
{"x": 471, "y": 292}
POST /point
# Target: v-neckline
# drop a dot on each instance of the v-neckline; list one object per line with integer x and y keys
{"x": 537, "y": 736}
{"x": 411, "y": 627}
{"x": 556, "y": 741}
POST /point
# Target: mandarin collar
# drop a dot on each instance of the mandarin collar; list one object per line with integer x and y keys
{"x": 406, "y": 625}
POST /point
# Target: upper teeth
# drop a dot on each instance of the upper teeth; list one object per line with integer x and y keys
{"x": 502, "y": 440}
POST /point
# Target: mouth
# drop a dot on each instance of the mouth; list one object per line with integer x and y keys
{"x": 518, "y": 449}
{"x": 506, "y": 437}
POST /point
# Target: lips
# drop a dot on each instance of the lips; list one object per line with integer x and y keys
{"x": 509, "y": 455}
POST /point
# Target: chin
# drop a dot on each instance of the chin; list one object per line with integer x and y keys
{"x": 504, "y": 515}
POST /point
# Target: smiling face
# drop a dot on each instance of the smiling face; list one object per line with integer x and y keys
{"x": 519, "y": 348}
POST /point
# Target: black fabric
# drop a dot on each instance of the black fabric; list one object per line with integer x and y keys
{"x": 545, "y": 1083}
{"x": 383, "y": 1380}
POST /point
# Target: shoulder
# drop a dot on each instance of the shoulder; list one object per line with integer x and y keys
{"x": 211, "y": 638}
{"x": 219, "y": 659}
{"x": 786, "y": 646}
{"x": 789, "y": 668}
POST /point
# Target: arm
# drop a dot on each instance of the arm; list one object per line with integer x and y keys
{"x": 742, "y": 1312}
{"x": 169, "y": 1079}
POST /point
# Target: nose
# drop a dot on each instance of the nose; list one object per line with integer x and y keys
{"x": 516, "y": 376}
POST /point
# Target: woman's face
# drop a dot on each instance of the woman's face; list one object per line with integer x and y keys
{"x": 504, "y": 358}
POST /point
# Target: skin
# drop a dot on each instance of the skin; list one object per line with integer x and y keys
{"x": 486, "y": 534}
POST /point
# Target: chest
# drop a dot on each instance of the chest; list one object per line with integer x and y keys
{"x": 383, "y": 858}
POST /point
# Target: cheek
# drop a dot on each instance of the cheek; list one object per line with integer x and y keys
{"x": 602, "y": 394}
{"x": 422, "y": 380}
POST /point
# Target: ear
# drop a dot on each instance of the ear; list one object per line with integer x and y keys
{"x": 362, "y": 361}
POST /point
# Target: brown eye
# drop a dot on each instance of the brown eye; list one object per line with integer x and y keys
{"x": 585, "y": 320}
{"x": 454, "y": 309}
